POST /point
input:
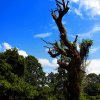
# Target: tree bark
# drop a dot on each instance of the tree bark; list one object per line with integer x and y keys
{"x": 73, "y": 85}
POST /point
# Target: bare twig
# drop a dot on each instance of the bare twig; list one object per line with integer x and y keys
{"x": 47, "y": 42}
{"x": 76, "y": 38}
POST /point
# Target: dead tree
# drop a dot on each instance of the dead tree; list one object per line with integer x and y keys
{"x": 70, "y": 58}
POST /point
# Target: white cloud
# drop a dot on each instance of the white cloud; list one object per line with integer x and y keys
{"x": 22, "y": 53}
{"x": 48, "y": 66}
{"x": 47, "y": 63}
{"x": 75, "y": 1}
{"x": 90, "y": 7}
{"x": 78, "y": 12}
{"x": 42, "y": 35}
{"x": 6, "y": 46}
{"x": 94, "y": 66}
{"x": 90, "y": 33}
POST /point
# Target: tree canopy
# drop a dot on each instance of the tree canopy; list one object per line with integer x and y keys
{"x": 23, "y": 78}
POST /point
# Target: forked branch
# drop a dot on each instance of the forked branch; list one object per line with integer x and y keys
{"x": 62, "y": 9}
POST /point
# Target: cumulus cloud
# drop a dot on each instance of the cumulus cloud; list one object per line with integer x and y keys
{"x": 22, "y": 53}
{"x": 75, "y": 1}
{"x": 90, "y": 33}
{"x": 48, "y": 66}
{"x": 94, "y": 66}
{"x": 6, "y": 46}
{"x": 78, "y": 12}
{"x": 46, "y": 63}
{"x": 90, "y": 7}
{"x": 42, "y": 35}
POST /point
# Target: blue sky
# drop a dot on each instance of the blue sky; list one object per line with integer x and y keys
{"x": 24, "y": 22}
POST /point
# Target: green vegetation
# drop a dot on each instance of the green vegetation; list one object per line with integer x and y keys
{"x": 19, "y": 76}
{"x": 23, "y": 78}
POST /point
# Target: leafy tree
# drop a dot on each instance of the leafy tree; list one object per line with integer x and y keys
{"x": 61, "y": 82}
{"x": 12, "y": 76}
{"x": 92, "y": 78}
{"x": 34, "y": 72}
{"x": 15, "y": 60}
{"x": 57, "y": 82}
{"x": 92, "y": 87}
{"x": 70, "y": 58}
